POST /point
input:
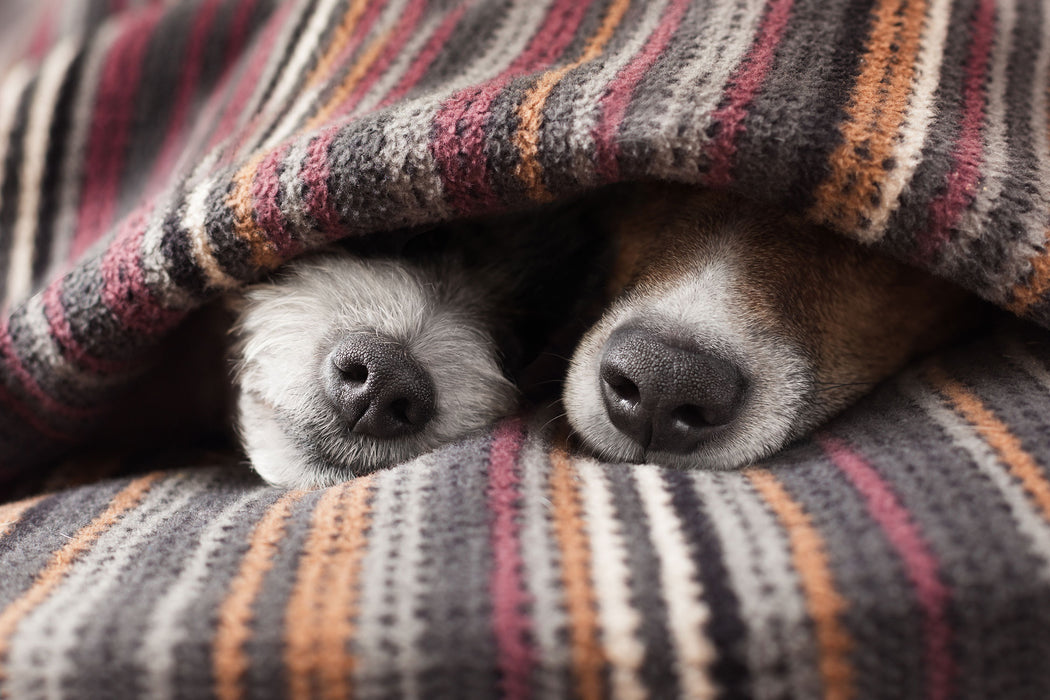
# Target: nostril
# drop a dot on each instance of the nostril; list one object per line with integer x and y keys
{"x": 399, "y": 411}
{"x": 691, "y": 416}
{"x": 623, "y": 388}
{"x": 354, "y": 372}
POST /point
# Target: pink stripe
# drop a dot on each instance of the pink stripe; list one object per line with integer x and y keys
{"x": 458, "y": 143}
{"x": 314, "y": 176}
{"x": 743, "y": 86}
{"x": 255, "y": 62}
{"x": 961, "y": 185}
{"x": 43, "y": 34}
{"x": 188, "y": 83}
{"x": 514, "y": 654}
{"x": 426, "y": 57}
{"x": 110, "y": 127}
{"x": 14, "y": 363}
{"x": 618, "y": 96}
{"x": 124, "y": 288}
{"x": 62, "y": 332}
{"x": 404, "y": 29}
{"x": 920, "y": 563}
{"x": 268, "y": 215}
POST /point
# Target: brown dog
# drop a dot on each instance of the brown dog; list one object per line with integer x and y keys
{"x": 733, "y": 330}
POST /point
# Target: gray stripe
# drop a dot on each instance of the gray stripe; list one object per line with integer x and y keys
{"x": 781, "y": 651}
{"x": 58, "y": 647}
{"x": 542, "y": 573}
{"x": 866, "y": 570}
{"x": 167, "y": 627}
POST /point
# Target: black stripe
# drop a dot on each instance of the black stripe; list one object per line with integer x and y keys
{"x": 725, "y": 628}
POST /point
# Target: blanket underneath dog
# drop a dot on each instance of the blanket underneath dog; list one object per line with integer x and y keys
{"x": 155, "y": 156}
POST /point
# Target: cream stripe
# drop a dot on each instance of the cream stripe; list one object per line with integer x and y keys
{"x": 307, "y": 103}
{"x": 73, "y": 162}
{"x": 165, "y": 631}
{"x": 687, "y": 612}
{"x": 921, "y": 104}
{"x": 252, "y": 110}
{"x": 42, "y": 660}
{"x": 292, "y": 73}
{"x": 697, "y": 87}
{"x": 586, "y": 108}
{"x": 401, "y": 63}
{"x": 779, "y": 648}
{"x": 389, "y": 618}
{"x": 34, "y": 158}
{"x": 11, "y": 90}
{"x": 619, "y": 621}
{"x": 407, "y": 133}
{"x": 1024, "y": 512}
{"x": 194, "y": 222}
{"x": 539, "y": 552}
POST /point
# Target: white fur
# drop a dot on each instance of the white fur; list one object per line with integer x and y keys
{"x": 291, "y": 432}
{"x": 704, "y": 309}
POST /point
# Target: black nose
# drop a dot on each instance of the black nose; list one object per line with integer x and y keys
{"x": 378, "y": 386}
{"x": 665, "y": 396}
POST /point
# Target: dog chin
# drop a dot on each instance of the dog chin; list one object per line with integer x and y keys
{"x": 775, "y": 408}
{"x": 293, "y": 433}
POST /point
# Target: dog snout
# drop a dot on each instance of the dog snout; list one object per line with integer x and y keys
{"x": 665, "y": 395}
{"x": 378, "y": 387}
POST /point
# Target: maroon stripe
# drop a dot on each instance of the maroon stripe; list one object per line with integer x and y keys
{"x": 28, "y": 382}
{"x": 192, "y": 64}
{"x": 110, "y": 127}
{"x": 268, "y": 215}
{"x": 459, "y": 126}
{"x": 618, "y": 95}
{"x": 314, "y": 177}
{"x": 515, "y": 655}
{"x": 124, "y": 288}
{"x": 404, "y": 29}
{"x": 961, "y": 185}
{"x": 23, "y": 412}
{"x": 62, "y": 332}
{"x": 426, "y": 57}
{"x": 255, "y": 62}
{"x": 743, "y": 86}
{"x": 43, "y": 35}
{"x": 919, "y": 561}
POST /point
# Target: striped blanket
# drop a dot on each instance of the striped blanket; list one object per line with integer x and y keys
{"x": 155, "y": 155}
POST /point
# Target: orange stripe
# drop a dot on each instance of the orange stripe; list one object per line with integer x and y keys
{"x": 530, "y": 111}
{"x": 810, "y": 559}
{"x": 323, "y": 605}
{"x": 64, "y": 559}
{"x": 340, "y": 39}
{"x": 875, "y": 114}
{"x": 11, "y": 513}
{"x": 357, "y": 72}
{"x": 588, "y": 659}
{"x": 997, "y": 434}
{"x": 1033, "y": 290}
{"x": 244, "y": 225}
{"x": 229, "y": 660}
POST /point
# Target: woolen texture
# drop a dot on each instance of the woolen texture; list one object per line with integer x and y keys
{"x": 157, "y": 155}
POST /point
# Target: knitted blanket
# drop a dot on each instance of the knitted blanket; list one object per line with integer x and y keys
{"x": 154, "y": 156}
